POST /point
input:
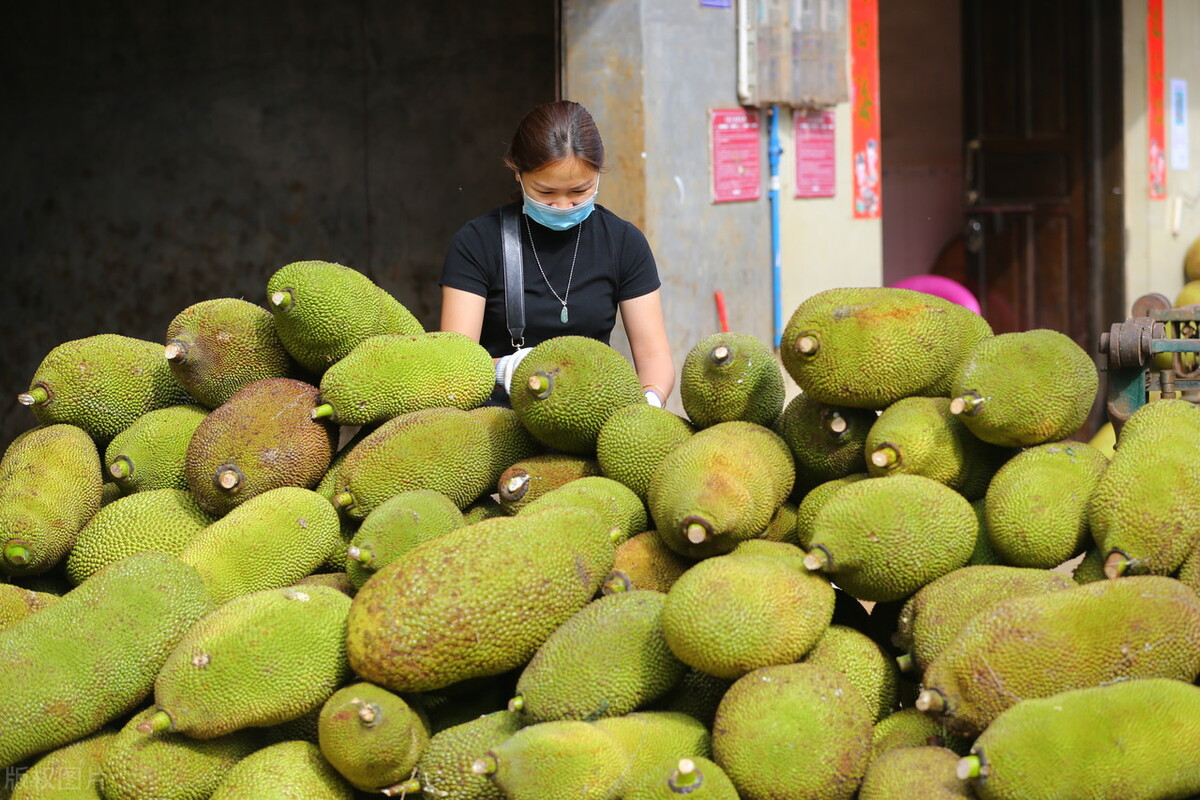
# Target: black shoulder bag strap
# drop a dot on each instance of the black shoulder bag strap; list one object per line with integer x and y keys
{"x": 514, "y": 276}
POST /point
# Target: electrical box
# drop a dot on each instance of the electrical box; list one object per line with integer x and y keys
{"x": 792, "y": 53}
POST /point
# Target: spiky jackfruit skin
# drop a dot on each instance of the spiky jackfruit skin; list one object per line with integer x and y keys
{"x": 530, "y": 478}
{"x": 292, "y": 769}
{"x": 1036, "y": 504}
{"x": 931, "y": 618}
{"x": 93, "y": 656}
{"x": 1148, "y": 514}
{"x": 634, "y": 440}
{"x": 614, "y": 501}
{"x": 169, "y": 766}
{"x": 323, "y": 310}
{"x": 444, "y": 614}
{"x": 397, "y": 526}
{"x": 673, "y": 778}
{"x": 864, "y": 663}
{"x": 262, "y": 438}
{"x": 647, "y": 737}
{"x": 50, "y": 486}
{"x": 608, "y": 659}
{"x": 908, "y": 772}
{"x": 566, "y": 387}
{"x": 697, "y": 694}
{"x": 728, "y": 376}
{"x": 814, "y": 500}
{"x": 730, "y": 614}
{"x": 212, "y": 684}
{"x": 720, "y": 486}
{"x": 71, "y": 772}
{"x": 1047, "y": 399}
{"x": 875, "y": 345}
{"x": 16, "y": 603}
{"x": 165, "y": 520}
{"x": 560, "y": 760}
{"x": 643, "y": 562}
{"x": 152, "y": 452}
{"x": 444, "y": 768}
{"x": 371, "y": 736}
{"x": 919, "y": 436}
{"x": 102, "y": 383}
{"x": 392, "y": 374}
{"x": 1189, "y": 571}
{"x": 1134, "y": 740}
{"x": 1145, "y": 626}
{"x": 1091, "y": 567}
{"x": 912, "y": 727}
{"x": 768, "y": 711}
{"x": 826, "y": 441}
{"x": 882, "y": 539}
{"x": 217, "y": 346}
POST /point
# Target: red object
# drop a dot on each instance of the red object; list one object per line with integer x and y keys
{"x": 736, "y": 169}
{"x": 864, "y": 105}
{"x": 721, "y": 310}
{"x": 1155, "y": 120}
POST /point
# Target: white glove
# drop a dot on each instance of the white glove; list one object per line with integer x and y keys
{"x": 507, "y": 365}
{"x": 653, "y": 399}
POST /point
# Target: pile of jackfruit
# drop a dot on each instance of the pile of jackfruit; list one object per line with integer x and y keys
{"x": 294, "y": 550}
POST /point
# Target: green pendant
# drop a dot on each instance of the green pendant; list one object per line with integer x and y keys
{"x": 563, "y": 316}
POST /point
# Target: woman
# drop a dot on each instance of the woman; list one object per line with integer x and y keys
{"x": 581, "y": 262}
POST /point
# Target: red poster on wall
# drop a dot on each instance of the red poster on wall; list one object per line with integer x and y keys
{"x": 1155, "y": 94}
{"x": 864, "y": 107}
{"x": 816, "y": 162}
{"x": 734, "y": 141}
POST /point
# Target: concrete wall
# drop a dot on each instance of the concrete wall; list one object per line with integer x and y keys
{"x": 160, "y": 154}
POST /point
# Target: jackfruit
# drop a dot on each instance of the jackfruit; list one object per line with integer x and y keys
{"x": 395, "y": 527}
{"x": 392, "y": 374}
{"x": 444, "y": 768}
{"x": 730, "y": 614}
{"x": 1142, "y": 626}
{"x": 485, "y": 507}
{"x": 720, "y": 486}
{"x": 445, "y": 613}
{"x": 508, "y": 440}
{"x": 634, "y": 440}
{"x": 696, "y": 694}
{"x": 882, "y": 539}
{"x": 912, "y": 727}
{"x": 1045, "y": 400}
{"x": 614, "y": 501}
{"x": 826, "y": 441}
{"x": 465, "y": 700}
{"x": 868, "y": 347}
{"x": 49, "y": 488}
{"x": 559, "y": 760}
{"x": 730, "y": 376}
{"x": 165, "y": 520}
{"x": 71, "y": 772}
{"x": 285, "y": 770}
{"x": 908, "y": 772}
{"x": 530, "y": 478}
{"x": 1091, "y": 567}
{"x": 767, "y": 713}
{"x": 983, "y": 553}
{"x": 372, "y": 737}
{"x": 1130, "y": 740}
{"x": 814, "y": 500}
{"x": 566, "y": 387}
{"x": 697, "y": 777}
{"x": 864, "y": 663}
{"x": 17, "y": 603}
{"x": 92, "y": 656}
{"x": 323, "y": 310}
{"x": 102, "y": 383}
{"x": 151, "y": 453}
{"x": 606, "y": 660}
{"x": 643, "y": 562}
{"x": 648, "y": 737}
{"x": 213, "y": 684}
{"x": 1189, "y": 571}
{"x": 215, "y": 347}
{"x": 262, "y": 438}
{"x": 782, "y": 527}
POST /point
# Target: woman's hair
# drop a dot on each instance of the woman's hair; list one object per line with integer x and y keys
{"x": 552, "y": 132}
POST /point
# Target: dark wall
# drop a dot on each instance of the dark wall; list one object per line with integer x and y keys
{"x": 159, "y": 154}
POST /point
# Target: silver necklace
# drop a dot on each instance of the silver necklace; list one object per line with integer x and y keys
{"x": 563, "y": 299}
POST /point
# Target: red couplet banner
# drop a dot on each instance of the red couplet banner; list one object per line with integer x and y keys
{"x": 864, "y": 106}
{"x": 1155, "y": 118}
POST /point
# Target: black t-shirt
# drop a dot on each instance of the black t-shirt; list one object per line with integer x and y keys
{"x": 614, "y": 264}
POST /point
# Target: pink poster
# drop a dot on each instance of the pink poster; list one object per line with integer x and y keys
{"x": 736, "y": 171}
{"x": 816, "y": 162}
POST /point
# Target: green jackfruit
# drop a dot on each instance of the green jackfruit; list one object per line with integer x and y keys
{"x": 768, "y": 712}
{"x": 323, "y": 310}
{"x": 616, "y": 503}
{"x": 1130, "y": 740}
{"x": 530, "y": 478}
{"x": 643, "y": 562}
{"x": 1047, "y": 399}
{"x": 559, "y": 760}
{"x": 465, "y": 700}
{"x": 696, "y": 694}
{"x": 864, "y": 663}
{"x": 485, "y": 507}
{"x": 444, "y": 768}
{"x": 649, "y": 736}
{"x": 49, "y": 488}
{"x": 912, "y": 727}
{"x": 372, "y": 737}
{"x": 566, "y": 387}
{"x": 215, "y": 347}
{"x": 395, "y": 527}
{"x": 71, "y": 772}
{"x": 102, "y": 383}
{"x": 262, "y": 438}
{"x": 606, "y": 660}
{"x": 445, "y": 613}
{"x": 92, "y": 656}
{"x": 165, "y": 520}
{"x": 782, "y": 527}
{"x": 1144, "y": 626}
{"x": 728, "y": 376}
{"x": 389, "y": 375}
{"x": 882, "y": 539}
{"x": 814, "y": 500}
{"x": 826, "y": 441}
{"x": 285, "y": 770}
{"x": 696, "y": 777}
{"x": 926, "y": 772}
{"x": 17, "y": 603}
{"x": 634, "y": 440}
{"x": 868, "y": 347}
{"x": 152, "y": 452}
{"x": 508, "y": 440}
{"x": 1189, "y": 571}
{"x": 212, "y": 684}
{"x": 1091, "y": 567}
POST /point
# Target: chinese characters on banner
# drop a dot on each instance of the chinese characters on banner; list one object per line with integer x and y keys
{"x": 734, "y": 143}
{"x": 815, "y": 153}
{"x": 864, "y": 107}
{"x": 1155, "y": 121}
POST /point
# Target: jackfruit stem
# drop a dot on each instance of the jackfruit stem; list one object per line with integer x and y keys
{"x": 323, "y": 410}
{"x": 905, "y": 662}
{"x": 485, "y": 765}
{"x": 368, "y": 714}
{"x": 1116, "y": 564}
{"x": 616, "y": 581}
{"x": 931, "y": 701}
{"x": 807, "y": 344}
{"x": 967, "y": 403}
{"x": 158, "y": 721}
{"x": 121, "y": 468}
{"x": 228, "y": 479}
{"x": 282, "y": 300}
{"x": 685, "y": 776}
{"x": 969, "y": 767}
{"x": 721, "y": 355}
{"x": 363, "y": 555}
{"x": 16, "y": 553}
{"x": 885, "y": 456}
{"x": 343, "y": 499}
{"x": 175, "y": 352}
{"x": 539, "y": 385}
{"x": 817, "y": 559}
{"x": 515, "y": 487}
{"x": 836, "y": 423}
{"x": 410, "y": 786}
{"x": 35, "y": 396}
{"x": 516, "y": 704}
{"x": 696, "y": 533}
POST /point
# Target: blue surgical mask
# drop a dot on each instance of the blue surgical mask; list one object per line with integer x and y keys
{"x": 559, "y": 219}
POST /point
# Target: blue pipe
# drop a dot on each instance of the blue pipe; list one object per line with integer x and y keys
{"x": 773, "y": 152}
